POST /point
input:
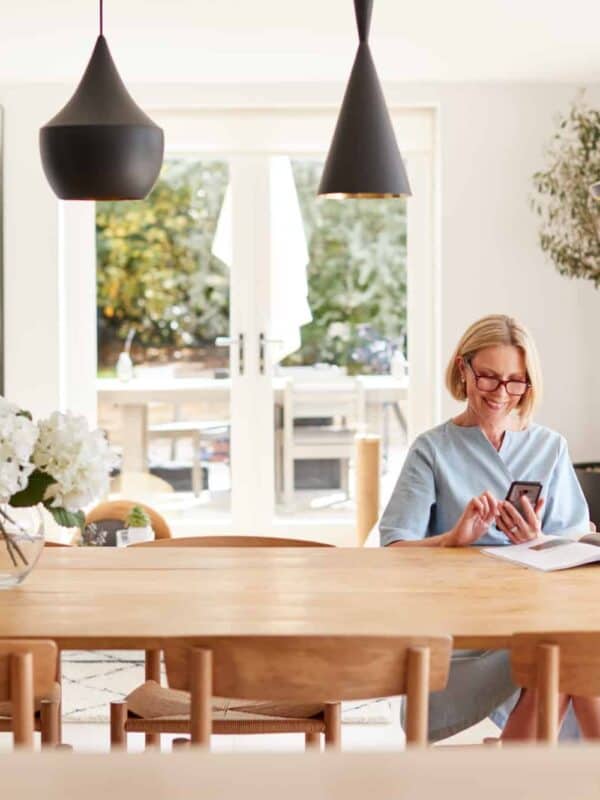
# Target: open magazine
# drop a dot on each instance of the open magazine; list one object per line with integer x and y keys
{"x": 550, "y": 553}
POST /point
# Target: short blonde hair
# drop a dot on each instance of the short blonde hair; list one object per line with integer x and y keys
{"x": 491, "y": 331}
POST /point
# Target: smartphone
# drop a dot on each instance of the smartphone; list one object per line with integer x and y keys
{"x": 518, "y": 489}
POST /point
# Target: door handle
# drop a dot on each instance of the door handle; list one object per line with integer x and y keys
{"x": 262, "y": 343}
{"x": 227, "y": 341}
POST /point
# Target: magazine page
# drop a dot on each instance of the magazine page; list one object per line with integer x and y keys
{"x": 547, "y": 553}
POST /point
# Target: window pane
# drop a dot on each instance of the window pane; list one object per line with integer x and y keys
{"x": 357, "y": 278}
{"x": 162, "y": 295}
{"x": 162, "y": 300}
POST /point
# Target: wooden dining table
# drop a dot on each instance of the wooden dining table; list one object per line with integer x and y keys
{"x": 140, "y": 598}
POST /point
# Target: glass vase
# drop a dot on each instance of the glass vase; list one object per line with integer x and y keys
{"x": 21, "y": 542}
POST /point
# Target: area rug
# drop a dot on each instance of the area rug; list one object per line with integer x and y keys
{"x": 93, "y": 679}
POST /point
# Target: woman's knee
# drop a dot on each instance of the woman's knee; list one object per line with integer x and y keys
{"x": 582, "y": 701}
{"x": 529, "y": 700}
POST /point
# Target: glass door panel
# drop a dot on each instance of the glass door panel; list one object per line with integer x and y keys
{"x": 349, "y": 372}
{"x": 163, "y": 303}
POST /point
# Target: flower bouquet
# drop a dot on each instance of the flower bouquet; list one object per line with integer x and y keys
{"x": 57, "y": 463}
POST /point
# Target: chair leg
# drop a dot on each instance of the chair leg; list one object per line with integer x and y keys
{"x": 21, "y": 683}
{"x": 417, "y": 696}
{"x": 50, "y": 723}
{"x": 118, "y": 723}
{"x": 152, "y": 669}
{"x": 201, "y": 697}
{"x": 58, "y": 679}
{"x": 152, "y": 740}
{"x": 181, "y": 743}
{"x": 312, "y": 741}
{"x": 548, "y": 658}
{"x": 333, "y": 726}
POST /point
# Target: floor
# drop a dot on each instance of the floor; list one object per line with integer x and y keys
{"x": 87, "y": 737}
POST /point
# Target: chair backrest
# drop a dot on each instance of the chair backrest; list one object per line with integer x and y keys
{"x": 342, "y": 397}
{"x": 556, "y": 662}
{"x": 315, "y": 669}
{"x": 241, "y": 542}
{"x": 116, "y": 511}
{"x": 231, "y": 541}
{"x": 27, "y": 671}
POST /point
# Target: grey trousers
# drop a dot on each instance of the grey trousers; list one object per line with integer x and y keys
{"x": 479, "y": 686}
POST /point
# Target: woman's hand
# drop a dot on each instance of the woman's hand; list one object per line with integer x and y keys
{"x": 520, "y": 527}
{"x": 477, "y": 517}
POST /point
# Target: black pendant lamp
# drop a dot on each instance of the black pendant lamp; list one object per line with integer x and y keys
{"x": 101, "y": 145}
{"x": 364, "y": 159}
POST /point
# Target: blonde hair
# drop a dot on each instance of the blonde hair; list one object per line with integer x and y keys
{"x": 491, "y": 331}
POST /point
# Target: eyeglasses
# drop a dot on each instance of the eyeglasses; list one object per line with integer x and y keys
{"x": 486, "y": 383}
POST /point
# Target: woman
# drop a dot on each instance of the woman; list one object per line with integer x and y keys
{"x": 450, "y": 494}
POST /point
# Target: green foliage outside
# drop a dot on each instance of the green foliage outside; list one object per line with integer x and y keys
{"x": 570, "y": 217}
{"x": 357, "y": 277}
{"x": 155, "y": 271}
{"x": 156, "y": 275}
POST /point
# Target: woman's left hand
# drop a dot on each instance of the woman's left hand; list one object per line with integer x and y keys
{"x": 520, "y": 528}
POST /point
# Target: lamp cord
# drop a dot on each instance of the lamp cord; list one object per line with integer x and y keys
{"x": 101, "y": 17}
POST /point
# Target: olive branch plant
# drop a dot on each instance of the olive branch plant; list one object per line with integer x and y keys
{"x": 570, "y": 217}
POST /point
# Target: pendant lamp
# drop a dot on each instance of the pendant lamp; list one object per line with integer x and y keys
{"x": 101, "y": 145}
{"x": 595, "y": 190}
{"x": 364, "y": 159}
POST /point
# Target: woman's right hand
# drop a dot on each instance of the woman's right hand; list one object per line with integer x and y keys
{"x": 479, "y": 514}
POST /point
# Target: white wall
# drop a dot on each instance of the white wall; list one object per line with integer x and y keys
{"x": 491, "y": 141}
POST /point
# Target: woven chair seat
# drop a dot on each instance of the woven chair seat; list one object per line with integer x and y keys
{"x": 152, "y": 701}
{"x": 53, "y": 696}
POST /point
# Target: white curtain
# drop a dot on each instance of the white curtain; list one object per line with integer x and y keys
{"x": 289, "y": 257}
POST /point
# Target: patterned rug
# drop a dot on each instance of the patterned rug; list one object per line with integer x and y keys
{"x": 94, "y": 679}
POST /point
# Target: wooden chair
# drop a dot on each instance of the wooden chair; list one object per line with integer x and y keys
{"x": 314, "y": 672}
{"x": 29, "y": 695}
{"x": 116, "y": 512}
{"x": 153, "y": 656}
{"x": 554, "y": 663}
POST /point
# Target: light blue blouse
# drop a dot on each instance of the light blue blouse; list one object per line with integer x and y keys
{"x": 448, "y": 465}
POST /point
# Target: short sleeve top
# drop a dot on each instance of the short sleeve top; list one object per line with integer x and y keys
{"x": 450, "y": 464}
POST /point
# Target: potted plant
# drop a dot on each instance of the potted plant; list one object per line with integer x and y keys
{"x": 58, "y": 464}
{"x": 567, "y": 200}
{"x": 138, "y": 526}
{"x": 569, "y": 213}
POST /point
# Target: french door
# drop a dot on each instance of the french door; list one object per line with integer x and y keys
{"x": 249, "y": 141}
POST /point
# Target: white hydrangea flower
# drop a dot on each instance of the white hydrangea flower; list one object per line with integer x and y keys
{"x": 79, "y": 460}
{"x": 18, "y": 435}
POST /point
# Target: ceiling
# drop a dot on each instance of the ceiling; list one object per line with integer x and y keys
{"x": 214, "y": 41}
